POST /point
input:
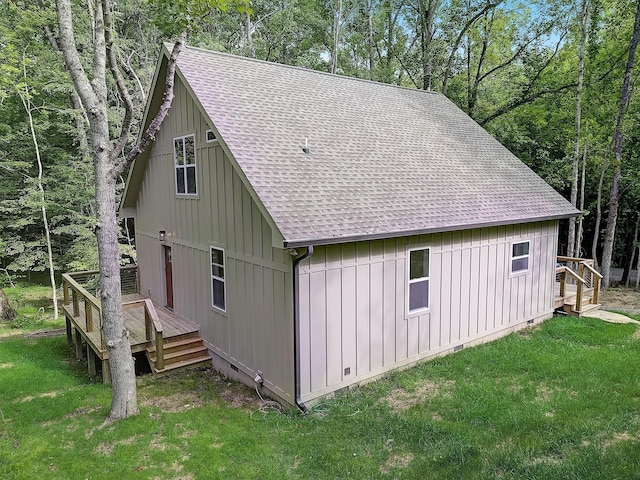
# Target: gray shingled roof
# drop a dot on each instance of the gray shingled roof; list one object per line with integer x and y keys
{"x": 384, "y": 160}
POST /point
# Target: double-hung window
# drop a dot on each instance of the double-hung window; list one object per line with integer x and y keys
{"x": 418, "y": 279}
{"x": 218, "y": 294}
{"x": 520, "y": 257}
{"x": 184, "y": 155}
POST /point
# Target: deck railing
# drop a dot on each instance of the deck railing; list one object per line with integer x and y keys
{"x": 581, "y": 273}
{"x": 74, "y": 291}
{"x": 152, "y": 327}
{"x": 78, "y": 286}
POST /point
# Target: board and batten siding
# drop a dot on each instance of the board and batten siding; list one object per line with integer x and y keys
{"x": 354, "y": 323}
{"x": 256, "y": 331}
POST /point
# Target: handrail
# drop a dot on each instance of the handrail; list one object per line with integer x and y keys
{"x": 89, "y": 302}
{"x": 593, "y": 271}
{"x": 586, "y": 261}
{"x": 571, "y": 273}
{"x": 579, "y": 284}
{"x": 151, "y": 322}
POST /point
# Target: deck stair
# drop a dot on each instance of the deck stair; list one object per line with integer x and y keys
{"x": 184, "y": 353}
{"x": 578, "y": 286}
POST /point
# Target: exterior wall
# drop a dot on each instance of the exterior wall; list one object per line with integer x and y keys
{"x": 256, "y": 331}
{"x": 353, "y": 312}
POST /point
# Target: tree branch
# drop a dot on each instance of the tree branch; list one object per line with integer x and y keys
{"x": 122, "y": 86}
{"x": 454, "y": 49}
{"x": 154, "y": 126}
{"x": 71, "y": 57}
{"x": 525, "y": 100}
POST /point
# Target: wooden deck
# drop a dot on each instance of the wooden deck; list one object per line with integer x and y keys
{"x": 146, "y": 329}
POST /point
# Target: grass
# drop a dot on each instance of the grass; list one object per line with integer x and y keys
{"x": 558, "y": 401}
{"x": 32, "y": 300}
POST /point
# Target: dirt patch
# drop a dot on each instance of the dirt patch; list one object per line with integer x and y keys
{"x": 42, "y": 395}
{"x": 618, "y": 438}
{"x": 45, "y": 333}
{"x": 177, "y": 402}
{"x": 158, "y": 444}
{"x": 396, "y": 461}
{"x": 400, "y": 399}
{"x": 82, "y": 411}
{"x": 107, "y": 448}
{"x": 240, "y": 398}
{"x": 620, "y": 298}
{"x": 6, "y": 365}
{"x": 543, "y": 393}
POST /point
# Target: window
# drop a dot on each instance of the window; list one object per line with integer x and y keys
{"x": 184, "y": 155}
{"x": 520, "y": 257}
{"x": 210, "y": 136}
{"x": 218, "y": 299}
{"x": 418, "y": 279}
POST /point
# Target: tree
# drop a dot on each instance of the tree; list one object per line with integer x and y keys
{"x": 571, "y": 242}
{"x": 614, "y": 196}
{"x": 7, "y": 312}
{"x": 93, "y": 91}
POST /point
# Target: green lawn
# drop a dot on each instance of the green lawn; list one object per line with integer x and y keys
{"x": 561, "y": 401}
{"x": 32, "y": 300}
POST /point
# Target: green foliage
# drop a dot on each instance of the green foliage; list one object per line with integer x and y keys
{"x": 554, "y": 402}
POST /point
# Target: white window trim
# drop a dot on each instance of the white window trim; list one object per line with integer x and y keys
{"x": 183, "y": 167}
{"x": 417, "y": 311}
{"x": 215, "y": 277}
{"x": 518, "y": 257}
{"x": 206, "y": 136}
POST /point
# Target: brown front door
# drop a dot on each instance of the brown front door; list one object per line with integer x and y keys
{"x": 168, "y": 276}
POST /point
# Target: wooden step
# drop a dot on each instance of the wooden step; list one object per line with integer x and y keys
{"x": 183, "y": 365}
{"x": 586, "y": 307}
{"x": 170, "y": 346}
{"x": 175, "y": 356}
{"x": 182, "y": 354}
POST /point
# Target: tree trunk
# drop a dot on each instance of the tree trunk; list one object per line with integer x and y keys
{"x": 576, "y": 152}
{"x": 579, "y": 234}
{"x": 26, "y": 102}
{"x": 372, "y": 50}
{"x": 94, "y": 99}
{"x": 7, "y": 312}
{"x": 336, "y": 38}
{"x": 634, "y": 243}
{"x": 427, "y": 17}
{"x": 614, "y": 197}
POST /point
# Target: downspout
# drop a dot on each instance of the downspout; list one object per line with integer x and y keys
{"x": 296, "y": 328}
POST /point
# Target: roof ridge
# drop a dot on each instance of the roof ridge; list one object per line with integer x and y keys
{"x": 305, "y": 69}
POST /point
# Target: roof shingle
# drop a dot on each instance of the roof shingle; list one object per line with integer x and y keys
{"x": 384, "y": 160}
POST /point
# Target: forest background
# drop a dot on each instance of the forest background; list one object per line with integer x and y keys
{"x": 546, "y": 78}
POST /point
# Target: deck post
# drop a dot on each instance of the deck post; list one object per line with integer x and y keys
{"x": 91, "y": 360}
{"x": 147, "y": 324}
{"x": 65, "y": 292}
{"x": 78, "y": 345}
{"x": 76, "y": 304}
{"x": 159, "y": 351}
{"x": 580, "y": 286}
{"x": 563, "y": 283}
{"x": 596, "y": 289}
{"x": 88, "y": 313}
{"x": 106, "y": 373}
{"x": 69, "y": 332}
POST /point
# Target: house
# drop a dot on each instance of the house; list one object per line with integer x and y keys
{"x": 322, "y": 230}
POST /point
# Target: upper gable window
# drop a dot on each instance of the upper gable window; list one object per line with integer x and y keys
{"x": 520, "y": 257}
{"x": 418, "y": 279}
{"x": 210, "y": 136}
{"x": 184, "y": 155}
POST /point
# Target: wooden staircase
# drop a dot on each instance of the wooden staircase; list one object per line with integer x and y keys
{"x": 180, "y": 353}
{"x": 578, "y": 286}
